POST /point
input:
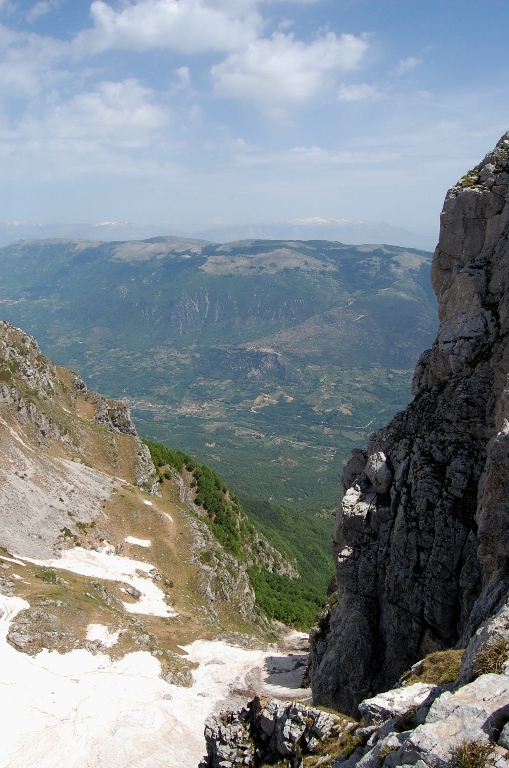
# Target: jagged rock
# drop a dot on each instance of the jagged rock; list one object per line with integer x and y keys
{"x": 422, "y": 556}
{"x": 265, "y": 730}
{"x": 503, "y": 739}
{"x": 113, "y": 415}
{"x": 476, "y": 712}
{"x": 495, "y": 630}
{"x": 378, "y": 472}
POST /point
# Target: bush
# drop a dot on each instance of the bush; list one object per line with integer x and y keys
{"x": 384, "y": 753}
{"x": 49, "y": 575}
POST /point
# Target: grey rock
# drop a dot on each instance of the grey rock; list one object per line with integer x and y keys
{"x": 378, "y": 472}
{"x": 494, "y": 630}
{"x": 422, "y": 531}
{"x": 398, "y": 701}
{"x": 473, "y": 713}
{"x": 503, "y": 739}
{"x": 267, "y": 729}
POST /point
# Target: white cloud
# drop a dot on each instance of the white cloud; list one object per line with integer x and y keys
{"x": 182, "y": 80}
{"x": 41, "y": 8}
{"x": 28, "y": 63}
{"x": 112, "y": 129}
{"x": 405, "y": 65}
{"x": 359, "y": 92}
{"x": 185, "y": 26}
{"x": 277, "y": 71}
{"x": 116, "y": 113}
{"x": 316, "y": 157}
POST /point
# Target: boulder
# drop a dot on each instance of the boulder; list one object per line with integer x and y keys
{"x": 395, "y": 703}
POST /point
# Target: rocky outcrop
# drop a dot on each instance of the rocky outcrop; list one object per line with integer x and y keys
{"x": 422, "y": 533}
{"x": 43, "y": 398}
{"x": 430, "y": 733}
{"x": 267, "y": 731}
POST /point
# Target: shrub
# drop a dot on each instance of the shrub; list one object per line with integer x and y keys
{"x": 406, "y": 721}
{"x": 49, "y": 575}
{"x": 385, "y": 752}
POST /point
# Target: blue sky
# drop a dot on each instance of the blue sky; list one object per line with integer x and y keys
{"x": 191, "y": 113}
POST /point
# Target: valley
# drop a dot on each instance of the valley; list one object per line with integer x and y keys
{"x": 267, "y": 360}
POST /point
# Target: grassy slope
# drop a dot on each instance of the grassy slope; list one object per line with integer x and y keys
{"x": 300, "y": 537}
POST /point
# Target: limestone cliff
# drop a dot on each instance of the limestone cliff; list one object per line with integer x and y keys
{"x": 422, "y": 533}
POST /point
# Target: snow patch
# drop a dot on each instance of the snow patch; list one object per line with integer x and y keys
{"x": 139, "y": 542}
{"x": 104, "y": 564}
{"x": 100, "y": 633}
{"x": 80, "y": 710}
{"x": 12, "y": 560}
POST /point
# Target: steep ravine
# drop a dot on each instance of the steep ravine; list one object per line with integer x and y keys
{"x": 422, "y": 534}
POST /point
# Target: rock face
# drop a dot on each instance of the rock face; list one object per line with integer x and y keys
{"x": 422, "y": 533}
{"x": 50, "y": 435}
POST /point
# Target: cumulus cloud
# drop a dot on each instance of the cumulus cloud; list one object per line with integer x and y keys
{"x": 358, "y": 92}
{"x": 108, "y": 129}
{"x": 185, "y": 26}
{"x": 282, "y": 70}
{"x": 118, "y": 113}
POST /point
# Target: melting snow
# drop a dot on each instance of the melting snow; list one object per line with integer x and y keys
{"x": 106, "y": 565}
{"x": 80, "y": 710}
{"x": 139, "y": 542}
{"x": 99, "y": 632}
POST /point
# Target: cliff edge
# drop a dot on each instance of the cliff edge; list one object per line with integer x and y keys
{"x": 422, "y": 531}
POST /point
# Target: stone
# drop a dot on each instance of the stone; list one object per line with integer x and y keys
{"x": 396, "y": 702}
{"x": 265, "y": 730}
{"x": 378, "y": 472}
{"x": 503, "y": 739}
{"x": 495, "y": 630}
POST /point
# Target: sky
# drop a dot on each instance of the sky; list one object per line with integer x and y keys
{"x": 194, "y": 113}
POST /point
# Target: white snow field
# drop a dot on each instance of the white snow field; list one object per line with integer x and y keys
{"x": 80, "y": 710}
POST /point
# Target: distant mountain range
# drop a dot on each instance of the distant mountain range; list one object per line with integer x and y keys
{"x": 268, "y": 360}
{"x": 355, "y": 232}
